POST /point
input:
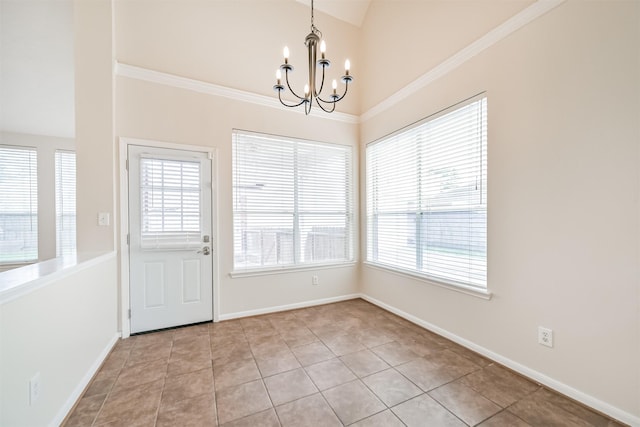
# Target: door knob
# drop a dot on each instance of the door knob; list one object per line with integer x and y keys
{"x": 205, "y": 250}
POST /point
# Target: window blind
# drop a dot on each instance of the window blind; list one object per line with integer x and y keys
{"x": 170, "y": 204}
{"x": 292, "y": 202}
{"x": 65, "y": 189}
{"x": 18, "y": 205}
{"x": 427, "y": 197}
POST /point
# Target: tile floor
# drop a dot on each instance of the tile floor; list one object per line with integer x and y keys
{"x": 349, "y": 363}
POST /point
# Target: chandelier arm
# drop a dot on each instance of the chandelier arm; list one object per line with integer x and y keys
{"x": 319, "y": 101}
{"x": 287, "y": 105}
{"x": 333, "y": 101}
{"x": 286, "y": 78}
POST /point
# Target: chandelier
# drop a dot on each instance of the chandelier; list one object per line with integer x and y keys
{"x": 311, "y": 92}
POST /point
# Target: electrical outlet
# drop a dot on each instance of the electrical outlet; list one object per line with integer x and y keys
{"x": 103, "y": 219}
{"x": 34, "y": 388}
{"x": 314, "y": 280}
{"x": 545, "y": 336}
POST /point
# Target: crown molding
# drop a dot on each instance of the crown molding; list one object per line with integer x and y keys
{"x": 503, "y": 30}
{"x": 511, "y": 25}
{"x": 166, "y": 79}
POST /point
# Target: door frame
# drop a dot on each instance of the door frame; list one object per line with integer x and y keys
{"x": 125, "y": 301}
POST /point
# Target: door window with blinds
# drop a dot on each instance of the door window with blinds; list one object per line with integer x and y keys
{"x": 292, "y": 202}
{"x": 65, "y": 163}
{"x": 170, "y": 203}
{"x": 18, "y": 205}
{"x": 427, "y": 197}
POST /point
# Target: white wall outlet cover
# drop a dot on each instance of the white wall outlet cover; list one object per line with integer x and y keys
{"x": 34, "y": 388}
{"x": 545, "y": 336}
{"x": 103, "y": 218}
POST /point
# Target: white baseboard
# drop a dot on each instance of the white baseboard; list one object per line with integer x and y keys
{"x": 539, "y": 377}
{"x": 286, "y": 307}
{"x": 84, "y": 382}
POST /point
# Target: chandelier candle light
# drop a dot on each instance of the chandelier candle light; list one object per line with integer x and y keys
{"x": 310, "y": 93}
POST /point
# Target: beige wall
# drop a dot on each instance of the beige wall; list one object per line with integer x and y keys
{"x": 156, "y": 112}
{"x": 236, "y": 44}
{"x": 400, "y": 40}
{"x": 95, "y": 158}
{"x": 219, "y": 42}
{"x": 563, "y": 101}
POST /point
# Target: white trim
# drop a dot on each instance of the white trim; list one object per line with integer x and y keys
{"x": 289, "y": 269}
{"x": 47, "y": 272}
{"x": 165, "y": 144}
{"x": 212, "y": 152}
{"x": 286, "y": 307}
{"x": 503, "y": 30}
{"x": 452, "y": 286}
{"x": 145, "y": 74}
{"x": 84, "y": 382}
{"x": 11, "y": 265}
{"x": 125, "y": 324}
{"x": 215, "y": 233}
{"x": 539, "y": 377}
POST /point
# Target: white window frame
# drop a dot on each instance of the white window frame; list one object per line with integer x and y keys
{"x": 370, "y": 255}
{"x": 349, "y": 214}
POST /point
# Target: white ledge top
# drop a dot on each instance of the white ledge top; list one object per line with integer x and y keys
{"x": 22, "y": 280}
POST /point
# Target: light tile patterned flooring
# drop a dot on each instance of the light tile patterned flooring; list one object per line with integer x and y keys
{"x": 348, "y": 363}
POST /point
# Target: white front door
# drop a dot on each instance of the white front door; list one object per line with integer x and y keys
{"x": 171, "y": 277}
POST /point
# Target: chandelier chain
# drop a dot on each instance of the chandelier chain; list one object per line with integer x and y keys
{"x": 314, "y": 29}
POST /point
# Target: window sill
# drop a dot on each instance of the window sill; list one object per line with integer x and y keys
{"x": 13, "y": 265}
{"x": 288, "y": 269}
{"x": 468, "y": 290}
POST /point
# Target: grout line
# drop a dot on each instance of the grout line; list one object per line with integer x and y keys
{"x": 112, "y": 385}
{"x": 164, "y": 384}
{"x": 331, "y": 407}
{"x": 215, "y": 395}
{"x": 350, "y": 311}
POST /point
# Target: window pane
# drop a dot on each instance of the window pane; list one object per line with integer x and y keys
{"x": 291, "y": 201}
{"x": 65, "y": 203}
{"x": 18, "y": 205}
{"x": 324, "y": 237}
{"x": 170, "y": 203}
{"x": 426, "y": 197}
{"x": 263, "y": 239}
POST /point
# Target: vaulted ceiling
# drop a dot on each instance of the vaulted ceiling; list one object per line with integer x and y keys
{"x": 351, "y": 11}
